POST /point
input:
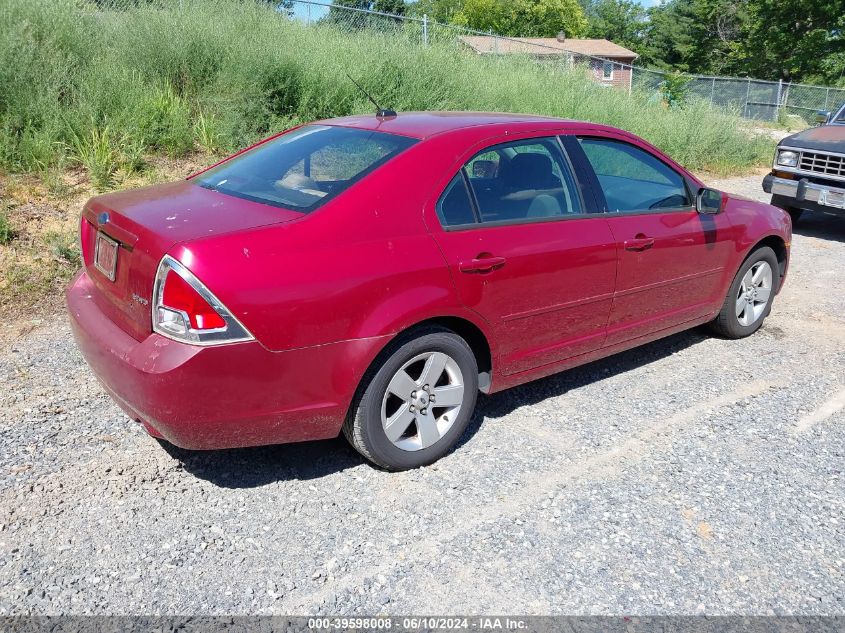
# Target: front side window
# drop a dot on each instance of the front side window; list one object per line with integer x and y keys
{"x": 512, "y": 182}
{"x": 306, "y": 167}
{"x": 633, "y": 179}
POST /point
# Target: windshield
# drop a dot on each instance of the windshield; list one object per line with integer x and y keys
{"x": 840, "y": 118}
{"x": 306, "y": 167}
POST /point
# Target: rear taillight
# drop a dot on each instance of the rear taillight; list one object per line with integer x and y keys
{"x": 185, "y": 310}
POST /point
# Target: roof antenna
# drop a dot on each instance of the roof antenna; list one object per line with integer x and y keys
{"x": 380, "y": 112}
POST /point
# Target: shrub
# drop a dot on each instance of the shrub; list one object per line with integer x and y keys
{"x": 221, "y": 73}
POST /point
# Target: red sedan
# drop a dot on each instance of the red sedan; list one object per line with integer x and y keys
{"x": 372, "y": 274}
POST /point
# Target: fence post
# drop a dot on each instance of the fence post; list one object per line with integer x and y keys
{"x": 425, "y": 29}
{"x": 713, "y": 93}
{"x": 747, "y": 95}
{"x": 827, "y": 99}
{"x": 308, "y": 14}
{"x": 780, "y": 96}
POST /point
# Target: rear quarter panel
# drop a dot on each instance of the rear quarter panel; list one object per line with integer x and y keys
{"x": 362, "y": 266}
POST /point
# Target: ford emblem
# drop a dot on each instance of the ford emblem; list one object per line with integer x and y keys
{"x": 103, "y": 218}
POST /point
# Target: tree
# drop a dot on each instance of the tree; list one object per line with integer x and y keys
{"x": 620, "y": 21}
{"x": 395, "y": 7}
{"x": 437, "y": 10}
{"x": 695, "y": 35}
{"x": 342, "y": 12}
{"x": 524, "y": 18}
{"x": 796, "y": 39}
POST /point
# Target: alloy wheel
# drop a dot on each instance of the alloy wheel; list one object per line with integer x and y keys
{"x": 422, "y": 401}
{"x": 754, "y": 292}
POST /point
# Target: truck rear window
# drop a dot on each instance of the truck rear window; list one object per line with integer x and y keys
{"x": 305, "y": 168}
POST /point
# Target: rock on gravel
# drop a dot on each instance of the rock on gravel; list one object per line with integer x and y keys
{"x": 694, "y": 475}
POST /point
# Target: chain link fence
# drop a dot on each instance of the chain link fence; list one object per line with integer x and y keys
{"x": 750, "y": 98}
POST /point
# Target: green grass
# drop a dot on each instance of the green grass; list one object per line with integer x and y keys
{"x": 103, "y": 88}
{"x": 6, "y": 232}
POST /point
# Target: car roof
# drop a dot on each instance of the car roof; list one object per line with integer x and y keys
{"x": 425, "y": 124}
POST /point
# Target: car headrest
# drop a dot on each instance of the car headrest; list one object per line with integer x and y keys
{"x": 528, "y": 171}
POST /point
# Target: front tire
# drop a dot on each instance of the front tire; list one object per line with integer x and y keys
{"x": 417, "y": 401}
{"x": 749, "y": 299}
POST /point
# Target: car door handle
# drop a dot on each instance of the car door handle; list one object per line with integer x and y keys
{"x": 639, "y": 243}
{"x": 482, "y": 265}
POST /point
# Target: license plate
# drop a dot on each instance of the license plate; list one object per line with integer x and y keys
{"x": 105, "y": 255}
{"x": 832, "y": 198}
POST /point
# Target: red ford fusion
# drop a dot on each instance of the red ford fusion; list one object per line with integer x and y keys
{"x": 372, "y": 274}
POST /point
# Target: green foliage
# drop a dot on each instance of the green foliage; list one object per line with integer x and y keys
{"x": 675, "y": 89}
{"x": 97, "y": 154}
{"x": 154, "y": 80}
{"x": 63, "y": 248}
{"x": 437, "y": 10}
{"x": 622, "y": 22}
{"x": 6, "y": 233}
{"x": 794, "y": 40}
{"x": 208, "y": 136}
{"x": 524, "y": 18}
{"x": 358, "y": 19}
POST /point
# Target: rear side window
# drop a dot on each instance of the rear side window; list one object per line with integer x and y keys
{"x": 455, "y": 207}
{"x": 633, "y": 179}
{"x": 524, "y": 180}
{"x": 306, "y": 167}
{"x": 511, "y": 183}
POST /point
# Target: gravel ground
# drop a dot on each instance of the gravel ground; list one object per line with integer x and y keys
{"x": 693, "y": 475}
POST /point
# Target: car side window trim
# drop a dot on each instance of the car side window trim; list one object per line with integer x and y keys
{"x": 599, "y": 191}
{"x": 566, "y": 163}
{"x": 499, "y": 223}
{"x": 470, "y": 196}
{"x": 473, "y": 201}
{"x": 585, "y": 177}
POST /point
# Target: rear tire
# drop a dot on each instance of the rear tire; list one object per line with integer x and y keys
{"x": 416, "y": 400}
{"x": 749, "y": 299}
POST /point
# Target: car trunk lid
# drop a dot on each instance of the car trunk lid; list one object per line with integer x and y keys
{"x": 141, "y": 226}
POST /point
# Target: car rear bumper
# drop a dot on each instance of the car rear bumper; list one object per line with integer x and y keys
{"x": 803, "y": 194}
{"x": 220, "y": 396}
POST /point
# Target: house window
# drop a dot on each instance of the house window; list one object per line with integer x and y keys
{"x": 607, "y": 71}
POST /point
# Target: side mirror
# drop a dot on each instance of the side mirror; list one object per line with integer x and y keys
{"x": 708, "y": 201}
{"x": 822, "y": 117}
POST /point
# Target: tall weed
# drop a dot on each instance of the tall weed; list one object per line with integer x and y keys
{"x": 219, "y": 74}
{"x": 96, "y": 152}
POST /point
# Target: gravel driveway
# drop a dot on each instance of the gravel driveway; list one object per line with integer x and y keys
{"x": 693, "y": 475}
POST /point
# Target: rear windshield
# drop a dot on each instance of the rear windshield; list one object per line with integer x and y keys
{"x": 305, "y": 168}
{"x": 841, "y": 117}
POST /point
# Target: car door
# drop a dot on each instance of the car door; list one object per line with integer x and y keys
{"x": 671, "y": 258}
{"x": 525, "y": 254}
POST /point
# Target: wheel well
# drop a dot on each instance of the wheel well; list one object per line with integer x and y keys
{"x": 779, "y": 247}
{"x": 475, "y": 339}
